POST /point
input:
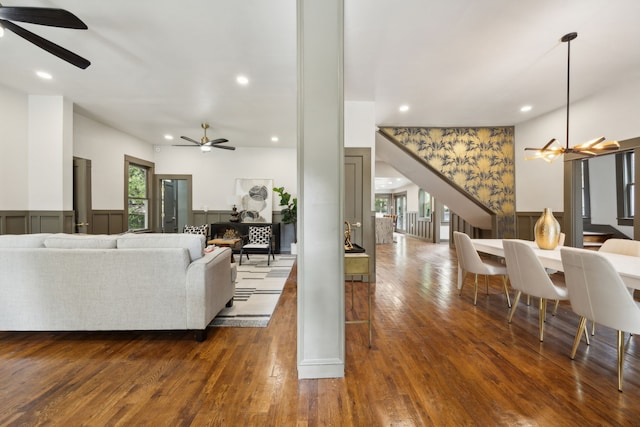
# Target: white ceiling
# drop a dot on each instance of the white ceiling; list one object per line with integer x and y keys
{"x": 166, "y": 66}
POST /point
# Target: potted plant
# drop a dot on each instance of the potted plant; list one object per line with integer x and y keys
{"x": 289, "y": 213}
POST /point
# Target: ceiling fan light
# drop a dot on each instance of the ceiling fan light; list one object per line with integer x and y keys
{"x": 205, "y": 148}
{"x": 1, "y": 30}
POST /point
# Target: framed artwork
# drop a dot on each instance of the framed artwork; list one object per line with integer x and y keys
{"x": 256, "y": 199}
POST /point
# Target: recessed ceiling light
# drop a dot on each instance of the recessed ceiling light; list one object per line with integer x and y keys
{"x": 274, "y": 139}
{"x": 44, "y": 75}
{"x": 169, "y": 137}
{"x": 242, "y": 80}
{"x": 526, "y": 108}
{"x": 404, "y": 108}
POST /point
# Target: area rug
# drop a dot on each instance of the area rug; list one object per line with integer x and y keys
{"x": 258, "y": 289}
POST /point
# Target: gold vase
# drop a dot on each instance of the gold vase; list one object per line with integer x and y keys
{"x": 547, "y": 230}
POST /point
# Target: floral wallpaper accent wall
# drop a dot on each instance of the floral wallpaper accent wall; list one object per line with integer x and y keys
{"x": 478, "y": 160}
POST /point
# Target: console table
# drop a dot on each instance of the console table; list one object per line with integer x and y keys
{"x": 357, "y": 264}
{"x": 217, "y": 230}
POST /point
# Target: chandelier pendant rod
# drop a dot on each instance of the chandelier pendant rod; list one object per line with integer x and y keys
{"x": 591, "y": 148}
{"x": 568, "y": 83}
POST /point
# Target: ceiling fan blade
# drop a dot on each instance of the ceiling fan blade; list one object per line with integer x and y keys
{"x": 224, "y": 147}
{"x": 186, "y": 138}
{"x": 42, "y": 16}
{"x": 50, "y": 47}
{"x": 218, "y": 141}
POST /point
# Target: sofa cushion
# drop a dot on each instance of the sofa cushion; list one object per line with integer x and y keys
{"x": 194, "y": 243}
{"x": 23, "y": 240}
{"x": 80, "y": 241}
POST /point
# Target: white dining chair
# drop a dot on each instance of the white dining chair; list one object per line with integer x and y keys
{"x": 623, "y": 247}
{"x": 470, "y": 262}
{"x": 527, "y": 275}
{"x": 597, "y": 292}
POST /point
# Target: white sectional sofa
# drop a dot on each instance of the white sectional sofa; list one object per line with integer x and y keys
{"x": 66, "y": 282}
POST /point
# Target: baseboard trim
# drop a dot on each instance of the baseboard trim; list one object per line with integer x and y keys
{"x": 322, "y": 368}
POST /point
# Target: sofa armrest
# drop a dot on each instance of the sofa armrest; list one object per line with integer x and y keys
{"x": 208, "y": 288}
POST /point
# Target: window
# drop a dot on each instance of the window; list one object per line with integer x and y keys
{"x": 400, "y": 201}
{"x": 383, "y": 203}
{"x": 586, "y": 198}
{"x": 424, "y": 204}
{"x": 625, "y": 175}
{"x": 446, "y": 214}
{"x": 138, "y": 189}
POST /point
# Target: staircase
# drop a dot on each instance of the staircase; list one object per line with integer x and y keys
{"x": 593, "y": 239}
{"x": 594, "y": 235}
{"x": 420, "y": 173}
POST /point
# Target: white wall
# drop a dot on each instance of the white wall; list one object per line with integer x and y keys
{"x": 384, "y": 169}
{"x": 214, "y": 173}
{"x": 613, "y": 113}
{"x": 602, "y": 183}
{"x": 14, "y": 171}
{"x": 49, "y": 156}
{"x": 603, "y": 187}
{"x": 106, "y": 148}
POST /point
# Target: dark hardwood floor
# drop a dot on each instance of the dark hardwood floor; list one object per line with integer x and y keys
{"x": 436, "y": 360}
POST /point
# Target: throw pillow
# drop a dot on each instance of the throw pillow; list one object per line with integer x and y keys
{"x": 259, "y": 235}
{"x": 197, "y": 229}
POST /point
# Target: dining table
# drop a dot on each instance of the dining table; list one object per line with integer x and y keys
{"x": 627, "y": 266}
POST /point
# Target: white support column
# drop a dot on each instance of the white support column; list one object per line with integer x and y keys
{"x": 320, "y": 189}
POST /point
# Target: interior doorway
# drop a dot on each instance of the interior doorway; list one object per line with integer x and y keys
{"x": 400, "y": 205}
{"x": 82, "y": 195}
{"x": 174, "y": 202}
{"x": 445, "y": 218}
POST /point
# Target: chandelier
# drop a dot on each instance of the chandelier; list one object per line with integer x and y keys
{"x": 553, "y": 149}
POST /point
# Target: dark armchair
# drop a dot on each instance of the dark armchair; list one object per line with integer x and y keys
{"x": 258, "y": 241}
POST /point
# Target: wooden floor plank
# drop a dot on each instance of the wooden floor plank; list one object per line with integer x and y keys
{"x": 436, "y": 359}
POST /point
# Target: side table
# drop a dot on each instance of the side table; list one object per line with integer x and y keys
{"x": 224, "y": 243}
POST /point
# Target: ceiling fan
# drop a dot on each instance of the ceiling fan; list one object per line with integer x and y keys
{"x": 43, "y": 16}
{"x": 205, "y": 143}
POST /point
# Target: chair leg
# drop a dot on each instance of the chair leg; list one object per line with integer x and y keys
{"x": 464, "y": 276}
{"x": 555, "y": 308}
{"x": 543, "y": 311}
{"x": 241, "y": 257}
{"x": 528, "y": 299}
{"x": 593, "y": 328}
{"x": 475, "y": 293}
{"x": 620, "y": 359}
{"x": 576, "y": 341}
{"x": 486, "y": 282}
{"x": 506, "y": 290}
{"x": 514, "y": 305}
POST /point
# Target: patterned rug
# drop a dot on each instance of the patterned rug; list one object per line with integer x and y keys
{"x": 258, "y": 289}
